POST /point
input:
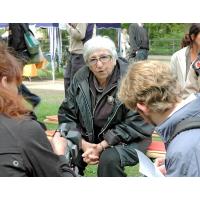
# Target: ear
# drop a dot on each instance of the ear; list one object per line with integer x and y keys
{"x": 192, "y": 37}
{"x": 4, "y": 81}
{"x": 143, "y": 108}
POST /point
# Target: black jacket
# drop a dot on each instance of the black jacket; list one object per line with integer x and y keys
{"x": 16, "y": 37}
{"x": 26, "y": 151}
{"x": 138, "y": 37}
{"x": 122, "y": 126}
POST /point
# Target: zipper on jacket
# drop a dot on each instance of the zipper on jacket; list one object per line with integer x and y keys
{"x": 85, "y": 99}
{"x": 104, "y": 128}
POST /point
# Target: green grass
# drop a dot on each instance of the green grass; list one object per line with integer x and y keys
{"x": 49, "y": 105}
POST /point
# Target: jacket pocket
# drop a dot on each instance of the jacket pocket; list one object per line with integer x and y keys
{"x": 11, "y": 163}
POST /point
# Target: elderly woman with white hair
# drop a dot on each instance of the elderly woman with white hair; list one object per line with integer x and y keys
{"x": 110, "y": 132}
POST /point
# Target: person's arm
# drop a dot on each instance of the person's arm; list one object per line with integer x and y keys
{"x": 14, "y": 35}
{"x": 132, "y": 38}
{"x": 131, "y": 127}
{"x": 77, "y": 32}
{"x": 178, "y": 165}
{"x": 68, "y": 111}
{"x": 38, "y": 155}
{"x": 93, "y": 151}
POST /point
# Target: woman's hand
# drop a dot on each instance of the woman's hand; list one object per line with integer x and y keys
{"x": 59, "y": 144}
{"x": 90, "y": 155}
{"x": 92, "y": 152}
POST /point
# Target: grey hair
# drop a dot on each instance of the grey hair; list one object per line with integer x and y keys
{"x": 99, "y": 42}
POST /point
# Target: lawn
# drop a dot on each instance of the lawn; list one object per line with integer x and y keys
{"x": 49, "y": 106}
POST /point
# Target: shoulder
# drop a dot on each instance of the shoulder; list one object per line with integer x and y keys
{"x": 184, "y": 144}
{"x": 183, "y": 158}
{"x": 123, "y": 65}
{"x": 81, "y": 74}
{"x": 180, "y": 52}
{"x": 30, "y": 131}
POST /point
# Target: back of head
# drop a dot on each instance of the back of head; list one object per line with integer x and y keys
{"x": 151, "y": 83}
{"x": 11, "y": 68}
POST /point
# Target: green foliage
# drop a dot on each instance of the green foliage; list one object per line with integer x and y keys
{"x": 165, "y": 38}
{"x": 165, "y": 30}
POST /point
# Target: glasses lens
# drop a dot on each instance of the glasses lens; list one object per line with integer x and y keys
{"x": 93, "y": 61}
{"x": 105, "y": 59}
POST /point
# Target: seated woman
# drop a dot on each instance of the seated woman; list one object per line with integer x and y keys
{"x": 110, "y": 132}
{"x": 24, "y": 147}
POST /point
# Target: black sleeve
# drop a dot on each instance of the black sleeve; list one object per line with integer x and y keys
{"x": 14, "y": 36}
{"x": 130, "y": 129}
{"x": 38, "y": 154}
{"x": 133, "y": 34}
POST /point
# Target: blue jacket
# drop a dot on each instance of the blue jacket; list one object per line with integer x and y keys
{"x": 183, "y": 153}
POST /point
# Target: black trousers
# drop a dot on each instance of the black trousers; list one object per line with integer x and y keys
{"x": 109, "y": 164}
{"x": 113, "y": 159}
{"x": 75, "y": 62}
{"x": 33, "y": 99}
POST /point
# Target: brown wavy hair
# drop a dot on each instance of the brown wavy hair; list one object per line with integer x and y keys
{"x": 11, "y": 105}
{"x": 187, "y": 40}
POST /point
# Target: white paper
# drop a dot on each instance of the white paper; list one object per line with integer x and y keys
{"x": 147, "y": 167}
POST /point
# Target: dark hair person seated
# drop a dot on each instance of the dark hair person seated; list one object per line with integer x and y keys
{"x": 24, "y": 147}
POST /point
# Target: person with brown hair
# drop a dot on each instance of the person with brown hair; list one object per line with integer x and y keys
{"x": 151, "y": 89}
{"x": 24, "y": 147}
{"x": 182, "y": 59}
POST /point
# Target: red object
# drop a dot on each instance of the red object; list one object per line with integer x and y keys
{"x": 50, "y": 133}
{"x": 198, "y": 64}
{"x": 157, "y": 146}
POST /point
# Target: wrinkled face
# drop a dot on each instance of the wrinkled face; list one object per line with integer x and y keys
{"x": 101, "y": 63}
{"x": 197, "y": 40}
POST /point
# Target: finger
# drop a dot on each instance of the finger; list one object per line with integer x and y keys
{"x": 86, "y": 160}
{"x": 93, "y": 157}
{"x": 57, "y": 134}
{"x": 159, "y": 161}
{"x": 93, "y": 162}
{"x": 85, "y": 154}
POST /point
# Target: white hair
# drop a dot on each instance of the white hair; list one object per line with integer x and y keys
{"x": 97, "y": 43}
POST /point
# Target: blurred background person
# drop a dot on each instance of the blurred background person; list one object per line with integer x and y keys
{"x": 17, "y": 42}
{"x": 124, "y": 42}
{"x": 78, "y": 35}
{"x": 182, "y": 59}
{"x": 139, "y": 42}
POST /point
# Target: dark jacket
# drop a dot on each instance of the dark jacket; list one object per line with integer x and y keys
{"x": 138, "y": 38}
{"x": 26, "y": 151}
{"x": 183, "y": 152}
{"x": 16, "y": 37}
{"x": 122, "y": 126}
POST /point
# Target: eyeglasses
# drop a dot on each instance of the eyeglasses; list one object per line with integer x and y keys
{"x": 103, "y": 59}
